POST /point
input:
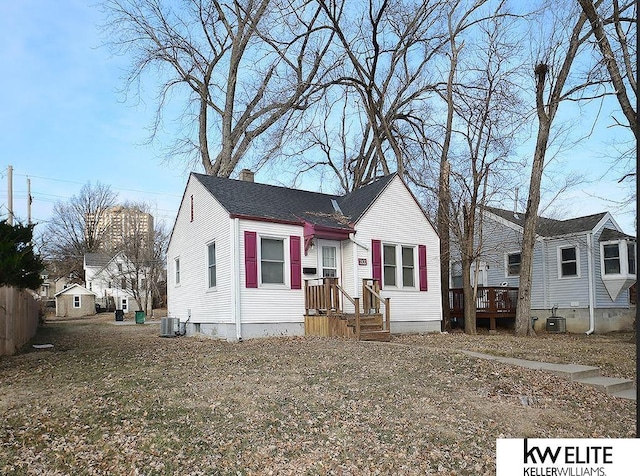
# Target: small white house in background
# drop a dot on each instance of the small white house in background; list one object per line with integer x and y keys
{"x": 108, "y": 277}
{"x": 583, "y": 266}
{"x": 75, "y": 301}
{"x": 240, "y": 252}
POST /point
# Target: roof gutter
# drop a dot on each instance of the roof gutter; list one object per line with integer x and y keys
{"x": 592, "y": 317}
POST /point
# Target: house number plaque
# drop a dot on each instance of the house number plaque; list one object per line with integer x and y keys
{"x": 362, "y": 261}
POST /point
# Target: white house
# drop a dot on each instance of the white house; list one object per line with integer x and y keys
{"x": 109, "y": 277}
{"x": 582, "y": 266}
{"x": 240, "y": 253}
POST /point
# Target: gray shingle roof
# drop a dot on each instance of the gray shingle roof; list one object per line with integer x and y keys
{"x": 257, "y": 200}
{"x": 610, "y": 235}
{"x": 96, "y": 259}
{"x": 550, "y": 227}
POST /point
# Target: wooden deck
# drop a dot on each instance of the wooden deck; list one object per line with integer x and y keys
{"x": 325, "y": 316}
{"x": 491, "y": 303}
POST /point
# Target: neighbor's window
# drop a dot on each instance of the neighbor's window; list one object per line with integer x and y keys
{"x": 408, "y": 275}
{"x": 272, "y": 260}
{"x": 611, "y": 258}
{"x": 211, "y": 265}
{"x": 125, "y": 304}
{"x": 631, "y": 257}
{"x": 456, "y": 274}
{"x": 513, "y": 264}
{"x": 76, "y": 301}
{"x": 389, "y": 263}
{"x": 177, "y": 270}
{"x": 568, "y": 262}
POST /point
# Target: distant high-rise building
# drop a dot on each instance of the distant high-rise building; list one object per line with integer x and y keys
{"x": 123, "y": 223}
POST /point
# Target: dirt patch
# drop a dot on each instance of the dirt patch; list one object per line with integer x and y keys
{"x": 122, "y": 400}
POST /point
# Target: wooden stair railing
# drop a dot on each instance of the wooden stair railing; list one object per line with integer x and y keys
{"x": 324, "y": 298}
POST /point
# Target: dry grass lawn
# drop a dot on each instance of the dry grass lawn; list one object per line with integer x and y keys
{"x": 119, "y": 399}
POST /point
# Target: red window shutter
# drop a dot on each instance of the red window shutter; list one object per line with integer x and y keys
{"x": 376, "y": 260}
{"x": 295, "y": 262}
{"x": 251, "y": 259}
{"x": 422, "y": 267}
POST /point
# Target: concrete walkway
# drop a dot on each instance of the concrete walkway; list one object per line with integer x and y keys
{"x": 577, "y": 373}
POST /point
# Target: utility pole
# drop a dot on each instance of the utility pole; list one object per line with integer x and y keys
{"x": 29, "y": 200}
{"x": 10, "y": 194}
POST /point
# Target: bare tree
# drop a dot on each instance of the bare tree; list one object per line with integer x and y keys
{"x": 76, "y": 227}
{"x": 377, "y": 91}
{"x": 612, "y": 24}
{"x": 552, "y": 75}
{"x": 487, "y": 105}
{"x": 244, "y": 65}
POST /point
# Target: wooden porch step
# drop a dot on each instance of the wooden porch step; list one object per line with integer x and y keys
{"x": 378, "y": 335}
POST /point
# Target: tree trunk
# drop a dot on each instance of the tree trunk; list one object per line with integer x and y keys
{"x": 523, "y": 312}
{"x": 445, "y": 242}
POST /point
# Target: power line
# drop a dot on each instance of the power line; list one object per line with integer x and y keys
{"x": 114, "y": 187}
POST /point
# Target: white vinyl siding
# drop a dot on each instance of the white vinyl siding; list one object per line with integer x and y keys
{"x": 272, "y": 303}
{"x": 188, "y": 244}
{"x": 407, "y": 228}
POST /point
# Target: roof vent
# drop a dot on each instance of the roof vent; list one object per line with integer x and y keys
{"x": 246, "y": 175}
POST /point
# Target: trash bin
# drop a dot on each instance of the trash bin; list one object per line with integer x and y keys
{"x": 139, "y": 317}
{"x": 119, "y": 315}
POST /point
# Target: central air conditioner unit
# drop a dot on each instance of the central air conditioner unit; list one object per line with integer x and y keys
{"x": 169, "y": 326}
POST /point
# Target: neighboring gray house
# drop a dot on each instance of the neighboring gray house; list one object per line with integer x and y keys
{"x": 583, "y": 266}
{"x": 75, "y": 301}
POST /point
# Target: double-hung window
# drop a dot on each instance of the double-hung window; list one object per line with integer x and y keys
{"x": 389, "y": 265}
{"x": 513, "y": 264}
{"x": 211, "y": 265}
{"x": 568, "y": 261}
{"x": 631, "y": 258}
{"x": 76, "y": 301}
{"x": 611, "y": 254}
{"x": 619, "y": 258}
{"x": 272, "y": 260}
{"x": 408, "y": 267}
{"x": 177, "y": 270}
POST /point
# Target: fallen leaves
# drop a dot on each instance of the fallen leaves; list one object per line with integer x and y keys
{"x": 121, "y": 400}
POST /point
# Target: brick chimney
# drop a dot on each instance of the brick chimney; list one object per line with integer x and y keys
{"x": 246, "y": 175}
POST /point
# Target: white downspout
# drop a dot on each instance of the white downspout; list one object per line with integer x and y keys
{"x": 235, "y": 287}
{"x": 592, "y": 318}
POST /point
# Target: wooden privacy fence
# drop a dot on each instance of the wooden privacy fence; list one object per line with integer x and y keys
{"x": 19, "y": 319}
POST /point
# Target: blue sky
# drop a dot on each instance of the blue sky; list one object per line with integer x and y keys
{"x": 64, "y": 123}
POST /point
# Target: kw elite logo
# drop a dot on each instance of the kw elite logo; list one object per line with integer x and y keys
{"x": 569, "y": 460}
{"x": 566, "y": 457}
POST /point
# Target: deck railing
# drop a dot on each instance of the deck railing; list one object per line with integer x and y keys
{"x": 491, "y": 301}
